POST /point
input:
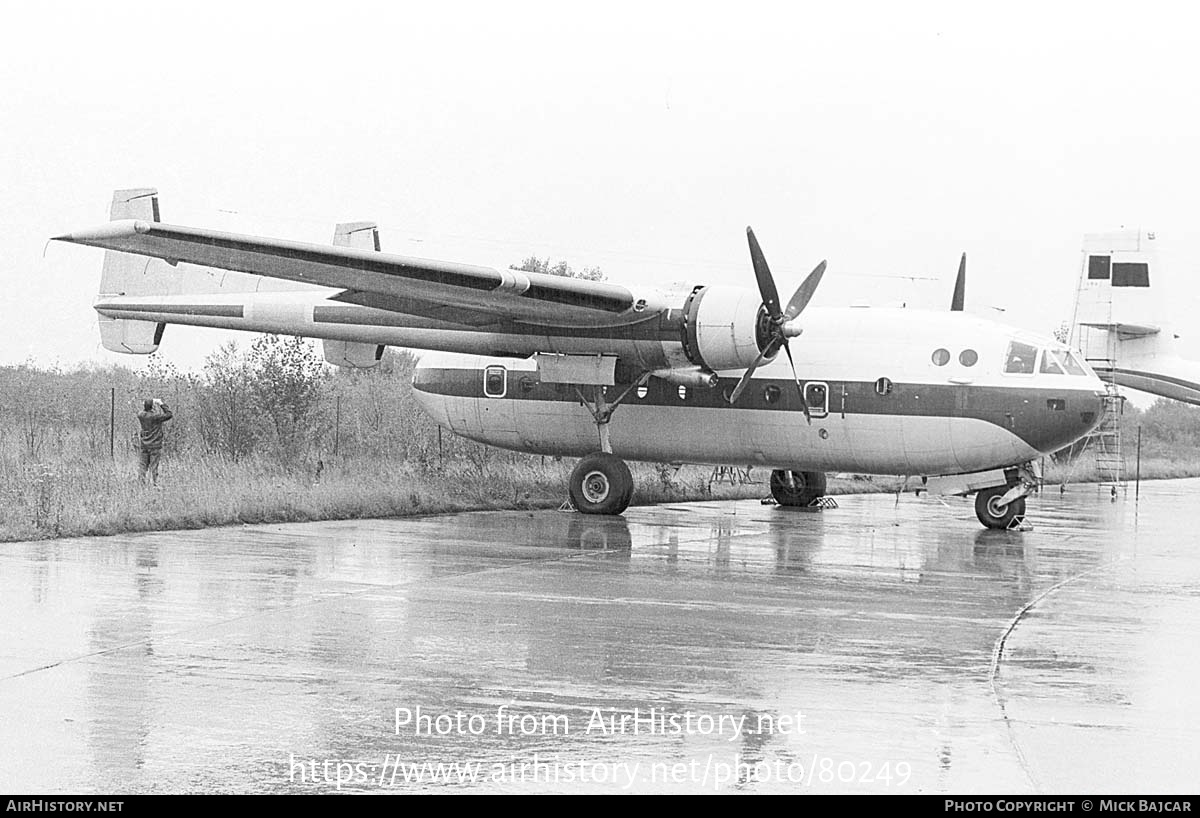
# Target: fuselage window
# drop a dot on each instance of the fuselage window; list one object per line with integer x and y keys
{"x": 968, "y": 357}
{"x": 941, "y": 357}
{"x": 772, "y": 394}
{"x": 816, "y": 396}
{"x": 883, "y": 386}
{"x": 643, "y": 391}
{"x": 495, "y": 384}
{"x": 1126, "y": 274}
{"x": 1020, "y": 359}
{"x": 682, "y": 392}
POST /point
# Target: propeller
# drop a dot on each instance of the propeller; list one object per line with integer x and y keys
{"x": 960, "y": 286}
{"x": 782, "y": 321}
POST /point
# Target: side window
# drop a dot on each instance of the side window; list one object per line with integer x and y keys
{"x": 816, "y": 396}
{"x": 1098, "y": 267}
{"x": 1125, "y": 274}
{"x": 495, "y": 384}
{"x": 1020, "y": 359}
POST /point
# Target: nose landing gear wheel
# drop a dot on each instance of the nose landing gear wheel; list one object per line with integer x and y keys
{"x": 992, "y": 514}
{"x": 601, "y": 484}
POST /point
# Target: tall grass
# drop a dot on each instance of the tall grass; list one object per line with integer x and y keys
{"x": 101, "y": 496}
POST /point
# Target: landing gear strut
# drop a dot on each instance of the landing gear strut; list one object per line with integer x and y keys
{"x": 797, "y": 488}
{"x": 601, "y": 483}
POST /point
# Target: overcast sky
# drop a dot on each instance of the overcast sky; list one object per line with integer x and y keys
{"x": 640, "y": 137}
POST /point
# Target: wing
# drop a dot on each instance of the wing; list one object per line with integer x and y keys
{"x": 462, "y": 293}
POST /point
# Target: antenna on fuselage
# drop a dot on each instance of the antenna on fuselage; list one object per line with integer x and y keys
{"x": 960, "y": 286}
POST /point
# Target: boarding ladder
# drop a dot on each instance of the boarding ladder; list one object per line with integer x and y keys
{"x": 1106, "y": 442}
{"x": 1099, "y": 348}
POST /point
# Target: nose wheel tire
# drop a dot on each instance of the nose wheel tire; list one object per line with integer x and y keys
{"x": 992, "y": 514}
{"x": 601, "y": 484}
{"x": 800, "y": 490}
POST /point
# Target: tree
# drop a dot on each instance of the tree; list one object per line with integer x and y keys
{"x": 227, "y": 403}
{"x": 287, "y": 384}
{"x": 533, "y": 264}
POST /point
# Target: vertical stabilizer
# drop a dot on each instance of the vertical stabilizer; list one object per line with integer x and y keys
{"x": 125, "y": 274}
{"x": 363, "y": 236}
{"x": 1120, "y": 301}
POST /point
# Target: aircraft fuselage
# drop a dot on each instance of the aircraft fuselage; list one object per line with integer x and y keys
{"x": 880, "y": 403}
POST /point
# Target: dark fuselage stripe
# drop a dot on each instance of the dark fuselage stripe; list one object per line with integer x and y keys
{"x": 1045, "y": 418}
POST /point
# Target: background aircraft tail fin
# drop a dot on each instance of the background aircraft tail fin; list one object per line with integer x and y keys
{"x": 1120, "y": 301}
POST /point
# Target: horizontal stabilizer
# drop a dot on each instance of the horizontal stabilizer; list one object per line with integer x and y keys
{"x": 1125, "y": 330}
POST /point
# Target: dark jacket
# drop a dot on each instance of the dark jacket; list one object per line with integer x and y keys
{"x": 152, "y": 432}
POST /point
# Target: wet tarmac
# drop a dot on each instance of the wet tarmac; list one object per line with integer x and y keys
{"x": 882, "y": 646}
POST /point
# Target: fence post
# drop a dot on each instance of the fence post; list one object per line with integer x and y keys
{"x": 112, "y": 423}
{"x": 1137, "y": 485}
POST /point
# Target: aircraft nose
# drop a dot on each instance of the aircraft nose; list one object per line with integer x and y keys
{"x": 1065, "y": 420}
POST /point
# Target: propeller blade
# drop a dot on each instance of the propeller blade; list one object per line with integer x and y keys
{"x": 745, "y": 381}
{"x": 960, "y": 286}
{"x": 805, "y": 293}
{"x": 799, "y": 388}
{"x": 766, "y": 284}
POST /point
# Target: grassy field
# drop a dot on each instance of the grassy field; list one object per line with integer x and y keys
{"x": 98, "y": 496}
{"x": 101, "y": 496}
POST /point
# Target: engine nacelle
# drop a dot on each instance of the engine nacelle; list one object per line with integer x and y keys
{"x": 724, "y": 327}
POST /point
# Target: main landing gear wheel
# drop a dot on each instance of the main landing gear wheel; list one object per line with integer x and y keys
{"x": 601, "y": 484}
{"x": 992, "y": 514}
{"x": 800, "y": 490}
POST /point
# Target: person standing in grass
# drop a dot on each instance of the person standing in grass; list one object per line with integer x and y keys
{"x": 152, "y": 417}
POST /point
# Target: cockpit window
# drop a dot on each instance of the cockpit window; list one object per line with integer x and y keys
{"x": 1060, "y": 362}
{"x": 1050, "y": 364}
{"x": 1072, "y": 363}
{"x": 1020, "y": 359}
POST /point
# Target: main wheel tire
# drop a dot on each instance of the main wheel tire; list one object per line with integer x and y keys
{"x": 991, "y": 514}
{"x": 805, "y": 486}
{"x": 601, "y": 484}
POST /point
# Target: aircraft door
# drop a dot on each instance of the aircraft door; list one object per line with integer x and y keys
{"x": 497, "y": 418}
